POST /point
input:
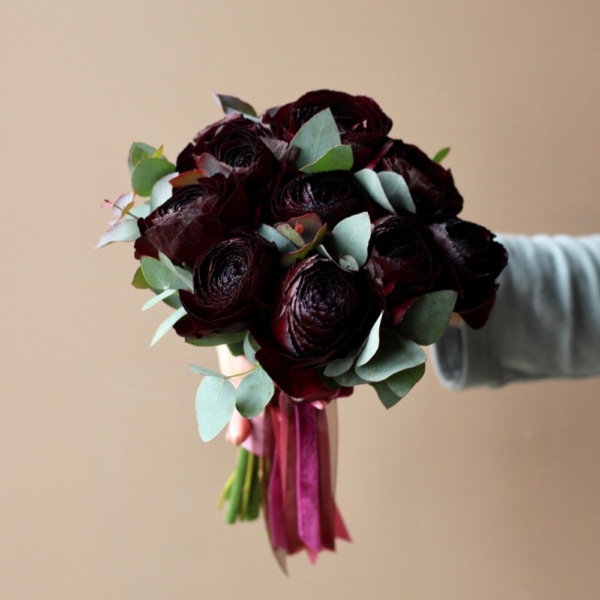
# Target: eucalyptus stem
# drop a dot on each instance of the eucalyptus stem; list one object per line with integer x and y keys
{"x": 235, "y": 494}
{"x": 247, "y": 487}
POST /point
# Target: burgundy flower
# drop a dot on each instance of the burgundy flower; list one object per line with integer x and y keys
{"x": 403, "y": 258}
{"x": 333, "y": 196}
{"x": 431, "y": 186}
{"x": 235, "y": 141}
{"x": 321, "y": 313}
{"x": 233, "y": 285}
{"x": 361, "y": 121}
{"x": 193, "y": 218}
{"x": 475, "y": 260}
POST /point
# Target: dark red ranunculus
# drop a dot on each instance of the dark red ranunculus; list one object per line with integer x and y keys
{"x": 431, "y": 186}
{"x": 236, "y": 142}
{"x": 361, "y": 121}
{"x": 476, "y": 260}
{"x": 234, "y": 283}
{"x": 403, "y": 258}
{"x": 321, "y": 313}
{"x": 332, "y": 195}
{"x": 193, "y": 218}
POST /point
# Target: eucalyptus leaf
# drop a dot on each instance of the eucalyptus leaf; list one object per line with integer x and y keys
{"x": 166, "y": 325}
{"x": 158, "y": 299}
{"x": 441, "y": 155}
{"x": 341, "y": 365}
{"x": 215, "y": 402}
{"x": 158, "y": 275}
{"x": 254, "y": 393}
{"x": 323, "y": 251}
{"x": 183, "y": 279}
{"x": 290, "y": 234}
{"x": 349, "y": 378}
{"x": 236, "y": 348}
{"x": 207, "y": 372}
{"x": 172, "y": 301}
{"x": 372, "y": 343}
{"x": 125, "y": 230}
{"x": 351, "y": 236}
{"x": 316, "y": 137}
{"x": 162, "y": 191}
{"x": 217, "y": 339}
{"x": 373, "y": 186}
{"x": 386, "y": 395}
{"x": 337, "y": 159}
{"x": 428, "y": 317}
{"x": 401, "y": 383}
{"x": 233, "y": 105}
{"x": 251, "y": 347}
{"x": 139, "y": 282}
{"x": 147, "y": 172}
{"x": 396, "y": 191}
{"x": 272, "y": 235}
{"x": 394, "y": 354}
{"x": 137, "y": 152}
{"x": 140, "y": 211}
{"x": 349, "y": 263}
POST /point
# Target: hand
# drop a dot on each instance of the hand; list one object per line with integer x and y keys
{"x": 239, "y": 427}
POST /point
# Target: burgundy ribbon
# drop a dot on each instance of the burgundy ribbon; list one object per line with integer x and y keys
{"x": 298, "y": 486}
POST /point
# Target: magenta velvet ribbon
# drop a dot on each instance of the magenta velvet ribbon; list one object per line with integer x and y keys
{"x": 301, "y": 511}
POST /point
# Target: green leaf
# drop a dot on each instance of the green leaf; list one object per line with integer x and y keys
{"x": 217, "y": 339}
{"x": 141, "y": 210}
{"x": 251, "y": 347}
{"x": 272, "y": 235}
{"x": 428, "y": 317}
{"x": 441, "y": 155}
{"x": 125, "y": 230}
{"x": 215, "y": 401}
{"x": 183, "y": 279}
{"x": 166, "y": 325}
{"x": 342, "y": 365}
{"x": 350, "y": 378}
{"x": 162, "y": 191}
{"x": 137, "y": 152}
{"x": 396, "y": 191}
{"x": 236, "y": 348}
{"x": 394, "y": 354}
{"x": 337, "y": 159}
{"x": 401, "y": 383}
{"x": 234, "y": 500}
{"x": 351, "y": 236}
{"x": 288, "y": 232}
{"x": 372, "y": 343}
{"x": 147, "y": 172}
{"x": 349, "y": 263}
{"x": 207, "y": 372}
{"x": 158, "y": 299}
{"x": 233, "y": 105}
{"x": 373, "y": 186}
{"x": 158, "y": 275}
{"x": 385, "y": 394}
{"x": 254, "y": 393}
{"x": 315, "y": 138}
{"x": 139, "y": 281}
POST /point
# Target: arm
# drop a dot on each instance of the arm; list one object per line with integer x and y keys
{"x": 545, "y": 323}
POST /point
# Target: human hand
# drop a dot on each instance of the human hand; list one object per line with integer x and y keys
{"x": 239, "y": 427}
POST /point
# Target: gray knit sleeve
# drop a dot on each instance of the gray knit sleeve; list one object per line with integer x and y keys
{"x": 545, "y": 323}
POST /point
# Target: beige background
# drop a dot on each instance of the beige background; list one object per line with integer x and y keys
{"x": 106, "y": 491}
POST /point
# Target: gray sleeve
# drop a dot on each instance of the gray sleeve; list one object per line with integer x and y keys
{"x": 545, "y": 323}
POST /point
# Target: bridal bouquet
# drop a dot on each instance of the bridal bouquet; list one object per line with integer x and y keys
{"x": 325, "y": 252}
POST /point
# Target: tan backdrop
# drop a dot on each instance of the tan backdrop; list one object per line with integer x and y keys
{"x": 107, "y": 491}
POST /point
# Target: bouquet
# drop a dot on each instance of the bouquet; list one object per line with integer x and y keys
{"x": 325, "y": 252}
